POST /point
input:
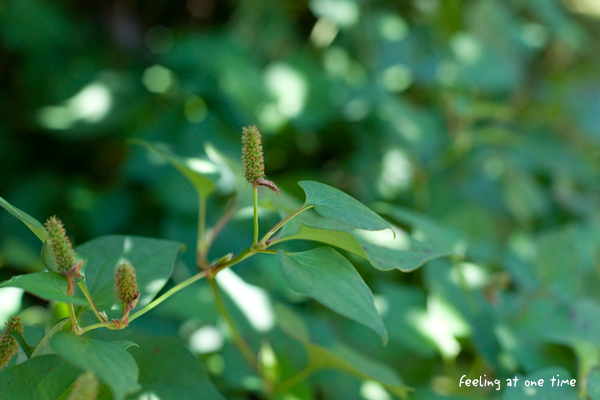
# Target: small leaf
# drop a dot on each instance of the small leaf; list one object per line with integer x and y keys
{"x": 36, "y": 226}
{"x": 153, "y": 260}
{"x": 44, "y": 347}
{"x": 45, "y": 285}
{"x": 326, "y": 276}
{"x": 187, "y": 166}
{"x": 337, "y": 205}
{"x": 113, "y": 365}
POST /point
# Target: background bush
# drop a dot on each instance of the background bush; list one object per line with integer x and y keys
{"x": 472, "y": 124}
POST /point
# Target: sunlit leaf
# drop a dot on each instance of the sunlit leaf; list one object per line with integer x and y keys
{"x": 109, "y": 361}
{"x": 326, "y": 276}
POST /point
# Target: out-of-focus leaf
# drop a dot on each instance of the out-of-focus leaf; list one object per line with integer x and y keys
{"x": 46, "y": 285}
{"x": 40, "y": 378}
{"x": 192, "y": 168}
{"x": 109, "y": 361}
{"x": 326, "y": 276}
{"x": 36, "y": 226}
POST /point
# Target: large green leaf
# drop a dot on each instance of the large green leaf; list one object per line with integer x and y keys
{"x": 190, "y": 167}
{"x": 326, "y": 276}
{"x": 153, "y": 260}
{"x": 339, "y": 206}
{"x": 44, "y": 347}
{"x": 32, "y": 223}
{"x": 169, "y": 371}
{"x": 40, "y": 378}
{"x": 109, "y": 361}
{"x": 381, "y": 249}
{"x": 46, "y": 285}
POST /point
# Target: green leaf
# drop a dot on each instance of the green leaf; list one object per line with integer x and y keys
{"x": 113, "y": 365}
{"x": 187, "y": 166}
{"x": 45, "y": 285}
{"x": 40, "y": 378}
{"x": 343, "y": 240}
{"x": 337, "y": 205}
{"x": 338, "y": 357}
{"x": 170, "y": 371}
{"x": 153, "y": 260}
{"x": 344, "y": 358}
{"x": 32, "y": 223}
{"x": 383, "y": 251}
{"x": 44, "y": 347}
{"x": 326, "y": 276}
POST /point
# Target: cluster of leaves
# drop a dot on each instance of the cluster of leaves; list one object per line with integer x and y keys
{"x": 471, "y": 125}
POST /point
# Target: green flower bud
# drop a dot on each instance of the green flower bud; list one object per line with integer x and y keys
{"x": 252, "y": 154}
{"x": 8, "y": 344}
{"x": 60, "y": 246}
{"x": 85, "y": 387}
{"x": 125, "y": 283}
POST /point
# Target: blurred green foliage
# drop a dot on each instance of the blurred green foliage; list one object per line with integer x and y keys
{"x": 473, "y": 124}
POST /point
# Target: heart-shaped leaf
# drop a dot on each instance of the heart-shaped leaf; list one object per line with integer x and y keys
{"x": 339, "y": 206}
{"x": 109, "y": 361}
{"x": 153, "y": 260}
{"x": 32, "y": 223}
{"x": 45, "y": 285}
{"x": 326, "y": 276}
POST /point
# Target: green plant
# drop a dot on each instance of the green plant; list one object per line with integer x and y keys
{"x": 132, "y": 271}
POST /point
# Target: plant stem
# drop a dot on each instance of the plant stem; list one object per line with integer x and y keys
{"x": 255, "y": 192}
{"x": 284, "y": 221}
{"x": 295, "y": 379}
{"x": 201, "y": 246}
{"x": 168, "y": 294}
{"x": 86, "y": 293}
{"x": 237, "y": 337}
{"x": 221, "y": 223}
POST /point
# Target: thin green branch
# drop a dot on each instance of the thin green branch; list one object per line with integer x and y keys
{"x": 202, "y": 245}
{"x": 284, "y": 221}
{"x": 295, "y": 379}
{"x": 167, "y": 294}
{"x": 255, "y": 193}
{"x": 87, "y": 295}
